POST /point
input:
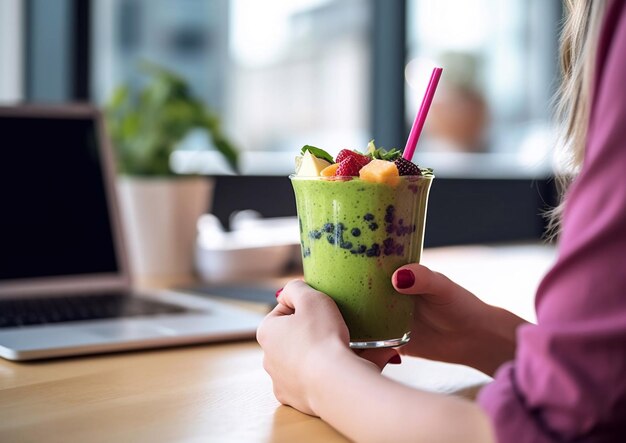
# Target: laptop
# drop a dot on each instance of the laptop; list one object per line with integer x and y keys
{"x": 65, "y": 286}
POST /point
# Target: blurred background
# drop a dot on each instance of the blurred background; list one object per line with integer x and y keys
{"x": 331, "y": 73}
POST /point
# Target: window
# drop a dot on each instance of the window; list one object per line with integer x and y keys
{"x": 500, "y": 71}
{"x": 281, "y": 74}
{"x": 284, "y": 73}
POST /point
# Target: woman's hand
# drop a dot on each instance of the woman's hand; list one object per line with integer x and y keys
{"x": 451, "y": 324}
{"x": 304, "y": 336}
{"x": 306, "y": 353}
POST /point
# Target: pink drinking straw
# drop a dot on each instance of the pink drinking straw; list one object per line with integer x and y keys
{"x": 420, "y": 118}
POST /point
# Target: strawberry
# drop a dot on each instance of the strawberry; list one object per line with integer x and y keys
{"x": 346, "y": 153}
{"x": 406, "y": 167}
{"x": 348, "y": 167}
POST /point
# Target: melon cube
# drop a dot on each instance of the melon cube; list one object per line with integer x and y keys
{"x": 329, "y": 171}
{"x": 380, "y": 171}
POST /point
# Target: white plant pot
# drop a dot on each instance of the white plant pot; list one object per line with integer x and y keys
{"x": 159, "y": 217}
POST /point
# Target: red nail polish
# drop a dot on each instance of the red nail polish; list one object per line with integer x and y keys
{"x": 404, "y": 279}
{"x": 395, "y": 360}
{"x": 278, "y": 292}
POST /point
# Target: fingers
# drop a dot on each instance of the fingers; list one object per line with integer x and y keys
{"x": 297, "y": 295}
{"x": 281, "y": 309}
{"x": 380, "y": 357}
{"x": 417, "y": 279}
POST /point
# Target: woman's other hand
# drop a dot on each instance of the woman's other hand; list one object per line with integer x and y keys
{"x": 451, "y": 324}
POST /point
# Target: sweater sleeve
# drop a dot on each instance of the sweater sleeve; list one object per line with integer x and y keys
{"x": 568, "y": 379}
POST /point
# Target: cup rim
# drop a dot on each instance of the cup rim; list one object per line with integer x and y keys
{"x": 350, "y": 177}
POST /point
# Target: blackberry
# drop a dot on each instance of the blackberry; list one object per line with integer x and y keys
{"x": 406, "y": 167}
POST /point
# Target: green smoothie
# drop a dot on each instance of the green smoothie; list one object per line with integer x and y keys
{"x": 354, "y": 235}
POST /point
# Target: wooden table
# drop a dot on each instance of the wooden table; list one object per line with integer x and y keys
{"x": 220, "y": 393}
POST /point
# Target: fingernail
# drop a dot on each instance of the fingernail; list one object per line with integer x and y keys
{"x": 404, "y": 279}
{"x": 395, "y": 360}
{"x": 278, "y": 292}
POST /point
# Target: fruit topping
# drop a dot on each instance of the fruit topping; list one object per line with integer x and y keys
{"x": 317, "y": 152}
{"x": 380, "y": 171}
{"x": 361, "y": 159}
{"x": 329, "y": 171}
{"x": 311, "y": 166}
{"x": 349, "y": 167}
{"x": 406, "y": 167}
{"x": 377, "y": 165}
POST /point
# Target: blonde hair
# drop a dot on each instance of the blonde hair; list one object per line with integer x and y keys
{"x": 579, "y": 42}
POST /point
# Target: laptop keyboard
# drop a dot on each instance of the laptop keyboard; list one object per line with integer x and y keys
{"x": 37, "y": 311}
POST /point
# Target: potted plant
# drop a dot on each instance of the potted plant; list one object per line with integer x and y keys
{"x": 159, "y": 207}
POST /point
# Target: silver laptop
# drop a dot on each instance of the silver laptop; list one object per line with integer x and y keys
{"x": 65, "y": 286}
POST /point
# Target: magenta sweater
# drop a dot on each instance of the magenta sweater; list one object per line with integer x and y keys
{"x": 568, "y": 379}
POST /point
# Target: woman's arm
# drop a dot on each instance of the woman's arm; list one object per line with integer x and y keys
{"x": 350, "y": 394}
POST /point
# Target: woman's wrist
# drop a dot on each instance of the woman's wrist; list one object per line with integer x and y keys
{"x": 322, "y": 364}
{"x": 493, "y": 339}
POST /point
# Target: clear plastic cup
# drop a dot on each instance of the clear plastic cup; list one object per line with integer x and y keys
{"x": 354, "y": 235}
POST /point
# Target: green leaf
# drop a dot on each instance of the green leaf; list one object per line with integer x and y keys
{"x": 318, "y": 152}
{"x": 390, "y": 155}
{"x": 382, "y": 153}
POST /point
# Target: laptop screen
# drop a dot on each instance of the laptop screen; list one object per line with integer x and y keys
{"x": 54, "y": 219}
